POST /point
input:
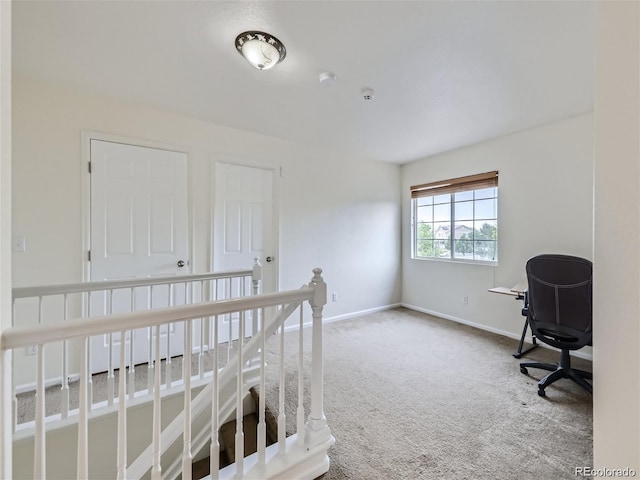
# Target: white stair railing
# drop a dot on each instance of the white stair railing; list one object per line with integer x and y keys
{"x": 55, "y": 304}
{"x": 211, "y": 396}
{"x": 304, "y": 455}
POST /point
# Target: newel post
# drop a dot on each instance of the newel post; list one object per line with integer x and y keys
{"x": 256, "y": 276}
{"x": 316, "y": 429}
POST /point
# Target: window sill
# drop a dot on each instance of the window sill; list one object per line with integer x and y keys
{"x": 456, "y": 260}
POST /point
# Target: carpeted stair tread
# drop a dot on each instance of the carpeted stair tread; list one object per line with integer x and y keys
{"x": 269, "y": 417}
{"x": 228, "y": 436}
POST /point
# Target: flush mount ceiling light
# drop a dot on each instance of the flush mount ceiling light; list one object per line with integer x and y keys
{"x": 261, "y": 49}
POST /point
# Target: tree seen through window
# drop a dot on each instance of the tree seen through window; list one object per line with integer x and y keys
{"x": 459, "y": 225}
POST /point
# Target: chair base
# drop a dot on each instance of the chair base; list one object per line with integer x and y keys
{"x": 563, "y": 370}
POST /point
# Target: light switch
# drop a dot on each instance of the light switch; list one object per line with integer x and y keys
{"x": 19, "y": 244}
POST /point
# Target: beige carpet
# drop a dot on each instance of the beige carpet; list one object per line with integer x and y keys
{"x": 26, "y": 402}
{"x": 409, "y": 396}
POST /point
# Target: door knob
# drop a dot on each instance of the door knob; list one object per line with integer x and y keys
{"x": 181, "y": 263}
{"x": 269, "y": 259}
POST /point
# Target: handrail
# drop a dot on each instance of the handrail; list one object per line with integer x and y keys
{"x": 16, "y": 337}
{"x": 43, "y": 290}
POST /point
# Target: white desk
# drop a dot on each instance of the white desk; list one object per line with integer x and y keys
{"x": 515, "y": 291}
{"x": 518, "y": 291}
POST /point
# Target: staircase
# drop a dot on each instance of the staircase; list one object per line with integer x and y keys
{"x": 201, "y": 468}
{"x": 132, "y": 436}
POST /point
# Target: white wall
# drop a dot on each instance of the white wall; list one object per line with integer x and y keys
{"x": 616, "y": 401}
{"x": 5, "y": 238}
{"x": 545, "y": 205}
{"x": 337, "y": 212}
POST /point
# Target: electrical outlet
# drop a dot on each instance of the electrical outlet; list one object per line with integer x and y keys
{"x": 32, "y": 349}
{"x": 19, "y": 244}
{"x": 465, "y": 300}
{"x": 334, "y": 297}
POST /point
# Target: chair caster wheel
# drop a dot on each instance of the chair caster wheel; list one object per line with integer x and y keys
{"x": 524, "y": 370}
{"x": 541, "y": 392}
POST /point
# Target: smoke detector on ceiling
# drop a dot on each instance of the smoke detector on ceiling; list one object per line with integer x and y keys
{"x": 367, "y": 93}
{"x": 327, "y": 79}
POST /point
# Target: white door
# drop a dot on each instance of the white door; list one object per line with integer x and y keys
{"x": 139, "y": 228}
{"x": 243, "y": 226}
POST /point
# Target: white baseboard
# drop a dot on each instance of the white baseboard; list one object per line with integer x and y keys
{"x": 337, "y": 318}
{"x": 50, "y": 382}
{"x": 504, "y": 333}
{"x": 346, "y": 316}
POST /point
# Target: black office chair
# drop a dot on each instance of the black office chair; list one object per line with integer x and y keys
{"x": 558, "y": 308}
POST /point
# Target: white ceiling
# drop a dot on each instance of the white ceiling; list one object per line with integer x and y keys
{"x": 445, "y": 74}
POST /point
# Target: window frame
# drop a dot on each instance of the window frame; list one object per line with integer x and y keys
{"x": 451, "y": 187}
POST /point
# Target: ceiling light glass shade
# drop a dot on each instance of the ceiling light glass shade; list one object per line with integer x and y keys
{"x": 260, "y": 49}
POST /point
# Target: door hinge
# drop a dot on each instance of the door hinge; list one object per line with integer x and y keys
{"x": 89, "y": 255}
{"x": 89, "y": 167}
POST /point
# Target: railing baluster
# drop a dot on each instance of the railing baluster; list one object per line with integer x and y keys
{"x": 157, "y": 452}
{"x": 250, "y": 282}
{"x": 239, "y": 400}
{"x": 256, "y": 275}
{"x": 214, "y": 452}
{"x": 193, "y": 300}
{"x": 207, "y": 324}
{"x": 131, "y": 375}
{"x": 201, "y": 350}
{"x": 39, "y": 448}
{"x": 187, "y": 458}
{"x": 150, "y": 365}
{"x": 122, "y": 411}
{"x": 230, "y": 317}
{"x": 110, "y": 377}
{"x": 241, "y": 320}
{"x": 15, "y": 409}
{"x": 88, "y": 366}
{"x": 300, "y": 412}
{"x": 213, "y": 285}
{"x": 262, "y": 424}
{"x": 168, "y": 361}
{"x": 14, "y": 422}
{"x": 189, "y": 344}
{"x": 64, "y": 389}
{"x": 240, "y": 290}
{"x": 254, "y": 322}
{"x": 282, "y": 418}
{"x": 83, "y": 425}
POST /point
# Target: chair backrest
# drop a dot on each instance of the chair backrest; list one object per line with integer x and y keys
{"x": 560, "y": 300}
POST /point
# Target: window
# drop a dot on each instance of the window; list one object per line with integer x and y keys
{"x": 457, "y": 219}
